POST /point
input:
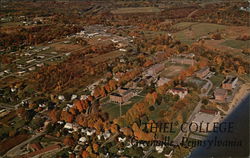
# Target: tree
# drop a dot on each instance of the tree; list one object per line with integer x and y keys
{"x": 36, "y": 123}
{"x": 54, "y": 115}
{"x": 85, "y": 154}
{"x": 68, "y": 141}
{"x": 67, "y": 117}
{"x": 95, "y": 147}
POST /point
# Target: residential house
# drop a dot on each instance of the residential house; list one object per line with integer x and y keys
{"x": 220, "y": 94}
{"x": 204, "y": 117}
{"x": 202, "y": 73}
{"x": 230, "y": 82}
{"x": 181, "y": 92}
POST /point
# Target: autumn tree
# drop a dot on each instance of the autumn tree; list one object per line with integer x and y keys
{"x": 68, "y": 141}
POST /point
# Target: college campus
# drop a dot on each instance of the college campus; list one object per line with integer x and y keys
{"x": 78, "y": 79}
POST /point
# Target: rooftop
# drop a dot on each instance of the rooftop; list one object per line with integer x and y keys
{"x": 220, "y": 91}
{"x": 204, "y": 117}
{"x": 203, "y": 70}
{"x": 230, "y": 79}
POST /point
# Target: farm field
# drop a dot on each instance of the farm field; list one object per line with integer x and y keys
{"x": 107, "y": 56}
{"x": 131, "y": 10}
{"x": 190, "y": 32}
{"x": 237, "y": 44}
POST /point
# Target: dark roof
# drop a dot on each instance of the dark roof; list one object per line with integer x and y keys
{"x": 208, "y": 111}
{"x": 220, "y": 91}
{"x": 115, "y": 94}
{"x": 229, "y": 80}
{"x": 202, "y": 70}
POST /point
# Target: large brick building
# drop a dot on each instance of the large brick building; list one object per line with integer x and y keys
{"x": 122, "y": 96}
{"x": 220, "y": 94}
{"x": 203, "y": 72}
{"x": 230, "y": 82}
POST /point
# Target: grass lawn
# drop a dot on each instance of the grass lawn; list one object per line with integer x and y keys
{"x": 217, "y": 80}
{"x": 113, "y": 109}
{"x": 184, "y": 25}
{"x": 197, "y": 30}
{"x": 18, "y": 123}
{"x": 155, "y": 115}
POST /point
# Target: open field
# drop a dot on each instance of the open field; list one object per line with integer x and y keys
{"x": 217, "y": 80}
{"x": 65, "y": 47}
{"x": 190, "y": 32}
{"x": 131, "y": 10}
{"x": 172, "y": 70}
{"x": 107, "y": 56}
{"x": 113, "y": 109}
{"x": 232, "y": 47}
{"x": 237, "y": 44}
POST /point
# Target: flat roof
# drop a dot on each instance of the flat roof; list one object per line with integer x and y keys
{"x": 203, "y": 117}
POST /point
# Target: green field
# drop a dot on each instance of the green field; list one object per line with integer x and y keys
{"x": 237, "y": 44}
{"x": 196, "y": 30}
{"x": 217, "y": 80}
{"x": 113, "y": 109}
{"x": 131, "y": 10}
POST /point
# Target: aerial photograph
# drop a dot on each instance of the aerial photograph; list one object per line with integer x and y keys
{"x": 124, "y": 78}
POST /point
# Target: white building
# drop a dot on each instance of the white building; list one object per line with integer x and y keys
{"x": 181, "y": 92}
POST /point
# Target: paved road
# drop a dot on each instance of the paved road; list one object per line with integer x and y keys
{"x": 110, "y": 139}
{"x": 10, "y": 107}
{"x": 178, "y": 138}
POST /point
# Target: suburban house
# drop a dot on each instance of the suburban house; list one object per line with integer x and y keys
{"x": 155, "y": 69}
{"x": 230, "y": 82}
{"x": 203, "y": 72}
{"x": 220, "y": 94}
{"x": 207, "y": 116}
{"x": 123, "y": 95}
{"x": 181, "y": 92}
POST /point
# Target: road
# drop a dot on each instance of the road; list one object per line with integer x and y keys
{"x": 14, "y": 151}
{"x": 110, "y": 139}
{"x": 10, "y": 107}
{"x": 178, "y": 138}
